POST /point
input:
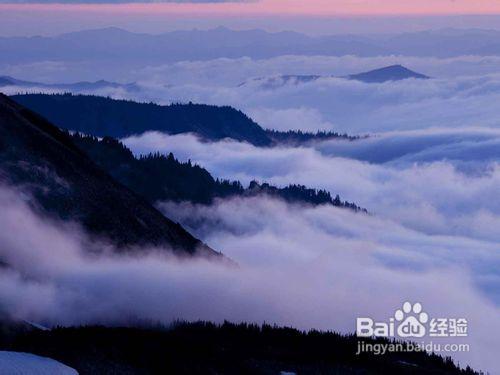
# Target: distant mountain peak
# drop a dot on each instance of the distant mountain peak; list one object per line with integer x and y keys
{"x": 389, "y": 73}
{"x": 395, "y": 72}
{"x": 112, "y": 30}
{"x": 5, "y": 80}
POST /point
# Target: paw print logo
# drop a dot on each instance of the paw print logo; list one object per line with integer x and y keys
{"x": 412, "y": 320}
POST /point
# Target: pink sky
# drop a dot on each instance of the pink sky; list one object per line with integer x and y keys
{"x": 290, "y": 7}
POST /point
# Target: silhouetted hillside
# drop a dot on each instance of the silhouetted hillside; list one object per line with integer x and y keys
{"x": 66, "y": 184}
{"x": 205, "y": 348}
{"x": 120, "y": 118}
{"x": 163, "y": 178}
{"x": 102, "y": 116}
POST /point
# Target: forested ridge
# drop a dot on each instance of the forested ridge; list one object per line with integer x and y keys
{"x": 102, "y": 116}
{"x": 208, "y": 348}
{"x": 159, "y": 177}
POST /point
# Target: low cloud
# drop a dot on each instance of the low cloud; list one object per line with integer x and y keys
{"x": 475, "y": 147}
{"x": 435, "y": 196}
{"x": 426, "y": 217}
{"x": 429, "y": 174}
{"x": 307, "y": 267}
{"x": 463, "y": 93}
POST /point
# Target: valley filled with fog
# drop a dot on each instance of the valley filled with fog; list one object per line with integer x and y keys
{"x": 426, "y": 168}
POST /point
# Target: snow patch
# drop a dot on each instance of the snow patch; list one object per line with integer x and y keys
{"x": 14, "y": 363}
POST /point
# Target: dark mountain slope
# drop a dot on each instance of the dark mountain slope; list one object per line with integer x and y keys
{"x": 205, "y": 348}
{"x": 163, "y": 178}
{"x": 66, "y": 184}
{"x": 101, "y": 117}
{"x": 389, "y": 73}
{"x": 120, "y": 118}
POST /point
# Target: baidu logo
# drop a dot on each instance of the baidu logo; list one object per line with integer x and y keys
{"x": 410, "y": 321}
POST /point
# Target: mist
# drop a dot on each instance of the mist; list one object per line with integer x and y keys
{"x": 306, "y": 267}
{"x": 428, "y": 174}
{"x": 463, "y": 91}
{"x": 410, "y": 188}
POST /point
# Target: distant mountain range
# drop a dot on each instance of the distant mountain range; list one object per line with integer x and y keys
{"x": 102, "y": 116}
{"x": 385, "y": 74}
{"x": 67, "y": 185}
{"x": 76, "y": 87}
{"x": 113, "y": 44}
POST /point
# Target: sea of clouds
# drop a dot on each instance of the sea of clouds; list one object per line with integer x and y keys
{"x": 463, "y": 91}
{"x": 428, "y": 174}
{"x": 302, "y": 266}
{"x": 436, "y": 199}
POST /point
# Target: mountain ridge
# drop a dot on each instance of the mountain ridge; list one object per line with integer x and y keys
{"x": 101, "y": 116}
{"x": 160, "y": 178}
{"x": 67, "y": 185}
{"x": 183, "y": 45}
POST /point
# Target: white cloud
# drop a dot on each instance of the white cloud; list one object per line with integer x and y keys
{"x": 307, "y": 267}
{"x": 231, "y": 72}
{"x": 434, "y": 197}
{"x": 290, "y": 119}
{"x": 464, "y": 93}
{"x": 429, "y": 173}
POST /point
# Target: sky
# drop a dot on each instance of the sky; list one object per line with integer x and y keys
{"x": 34, "y": 17}
{"x": 287, "y": 7}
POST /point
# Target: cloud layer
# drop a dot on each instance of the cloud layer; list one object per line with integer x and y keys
{"x": 306, "y": 267}
{"x": 429, "y": 174}
{"x": 464, "y": 91}
{"x": 435, "y": 198}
